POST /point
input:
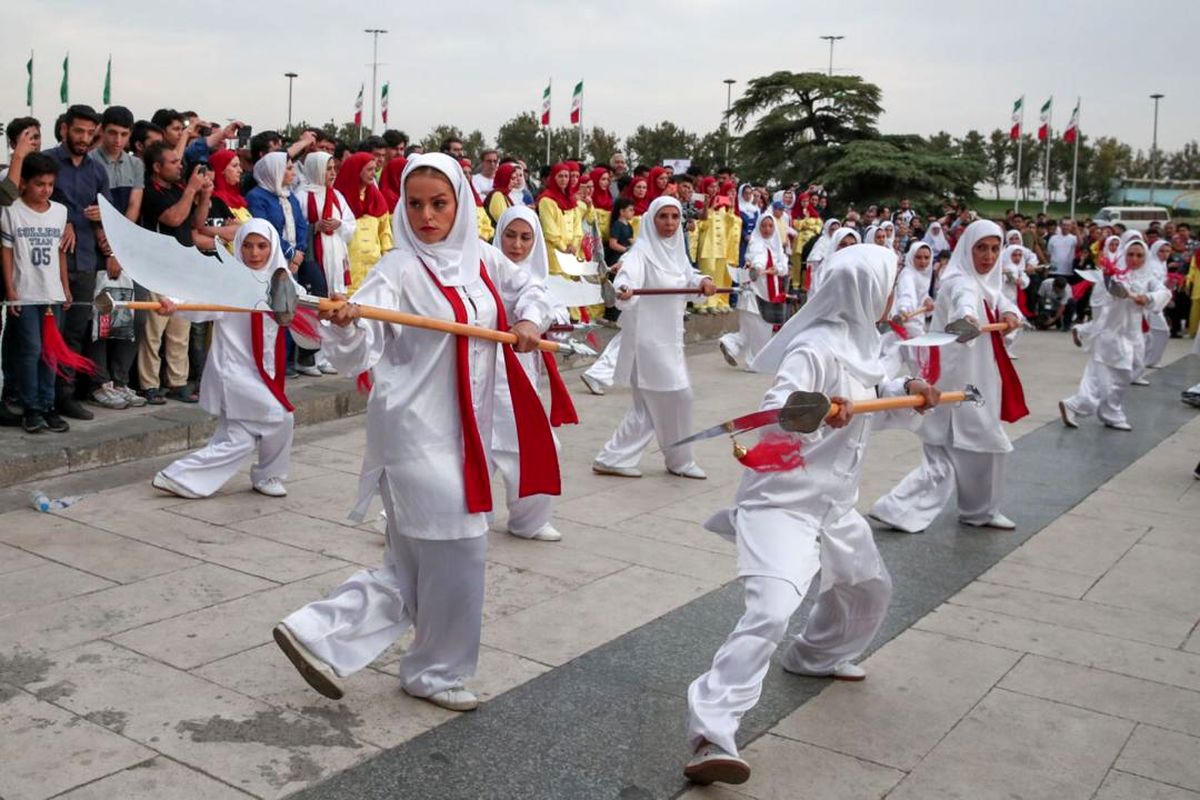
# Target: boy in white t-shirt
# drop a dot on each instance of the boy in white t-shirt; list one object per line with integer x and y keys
{"x": 35, "y": 275}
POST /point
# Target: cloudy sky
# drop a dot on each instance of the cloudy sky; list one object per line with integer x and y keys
{"x": 475, "y": 64}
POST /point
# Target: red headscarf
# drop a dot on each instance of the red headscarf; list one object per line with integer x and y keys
{"x": 365, "y": 201}
{"x": 389, "y": 181}
{"x": 653, "y": 191}
{"x": 502, "y": 181}
{"x": 465, "y": 163}
{"x": 230, "y": 195}
{"x": 639, "y": 206}
{"x": 575, "y": 170}
{"x": 601, "y": 198}
{"x": 552, "y": 191}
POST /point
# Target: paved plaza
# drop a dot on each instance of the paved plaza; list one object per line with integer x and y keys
{"x": 1058, "y": 661}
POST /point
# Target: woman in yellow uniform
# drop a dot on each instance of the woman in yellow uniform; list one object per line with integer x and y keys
{"x": 602, "y": 201}
{"x": 372, "y": 218}
{"x": 557, "y": 215}
{"x": 498, "y": 200}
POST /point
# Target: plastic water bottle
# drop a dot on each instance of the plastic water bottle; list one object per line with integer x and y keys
{"x": 43, "y": 503}
{"x": 40, "y": 501}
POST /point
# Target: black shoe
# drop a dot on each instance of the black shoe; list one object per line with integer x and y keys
{"x": 70, "y": 407}
{"x": 55, "y": 423}
{"x": 34, "y": 422}
{"x": 183, "y": 394}
{"x": 1196, "y": 474}
{"x": 154, "y": 397}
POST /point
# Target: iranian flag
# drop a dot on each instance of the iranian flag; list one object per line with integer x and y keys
{"x": 1072, "y": 131}
{"x": 546, "y": 107}
{"x": 1018, "y": 117}
{"x": 358, "y": 107}
{"x": 577, "y": 104}
{"x": 1044, "y": 120}
{"x": 383, "y": 103}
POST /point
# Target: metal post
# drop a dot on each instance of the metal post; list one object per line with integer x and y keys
{"x": 579, "y": 148}
{"x": 549, "y": 86}
{"x": 729, "y": 82}
{"x": 1075, "y": 158}
{"x": 291, "y": 76}
{"x": 831, "y": 40}
{"x": 1154, "y": 148}
{"x": 1046, "y": 173}
{"x": 1020, "y": 148}
{"x": 374, "y": 70}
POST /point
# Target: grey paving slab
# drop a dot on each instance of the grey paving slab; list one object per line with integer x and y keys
{"x": 157, "y": 779}
{"x": 782, "y": 768}
{"x": 1123, "y": 786}
{"x": 1161, "y": 755}
{"x": 1155, "y": 579}
{"x": 29, "y": 588}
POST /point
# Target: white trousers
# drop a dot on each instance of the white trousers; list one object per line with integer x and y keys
{"x": 666, "y": 416}
{"x": 209, "y": 468}
{"x": 434, "y": 586}
{"x": 923, "y": 493}
{"x": 1102, "y": 392}
{"x": 843, "y": 621}
{"x": 603, "y": 368}
{"x": 1156, "y": 346}
{"x": 526, "y": 515}
{"x": 752, "y": 335}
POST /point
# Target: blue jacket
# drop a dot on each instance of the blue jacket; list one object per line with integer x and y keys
{"x": 264, "y": 205}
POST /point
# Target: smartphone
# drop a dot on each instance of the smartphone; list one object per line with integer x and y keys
{"x": 243, "y": 136}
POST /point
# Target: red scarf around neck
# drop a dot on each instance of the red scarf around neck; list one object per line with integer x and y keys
{"x": 275, "y": 384}
{"x": 1012, "y": 395}
{"x": 538, "y": 457}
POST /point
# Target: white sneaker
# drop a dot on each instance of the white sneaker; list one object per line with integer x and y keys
{"x": 690, "y": 471}
{"x": 311, "y": 370}
{"x": 271, "y": 487}
{"x": 171, "y": 486}
{"x": 592, "y": 384}
{"x": 1119, "y": 426}
{"x": 711, "y": 764}
{"x": 134, "y": 399}
{"x": 891, "y": 525}
{"x": 1068, "y": 416}
{"x": 326, "y": 368}
{"x": 315, "y": 672}
{"x": 1139, "y": 382}
{"x": 455, "y": 698}
{"x": 999, "y": 521}
{"x": 546, "y": 533}
{"x": 106, "y": 397}
{"x": 620, "y": 472}
{"x": 842, "y": 672}
{"x": 729, "y": 359}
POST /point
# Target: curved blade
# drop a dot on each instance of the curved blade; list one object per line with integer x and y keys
{"x": 1090, "y": 275}
{"x": 1118, "y": 290}
{"x": 747, "y": 422}
{"x": 573, "y": 293}
{"x": 931, "y": 339}
{"x": 964, "y": 330}
{"x": 973, "y": 395}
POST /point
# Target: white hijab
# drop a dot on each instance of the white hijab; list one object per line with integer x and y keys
{"x": 760, "y": 244}
{"x": 911, "y": 256}
{"x": 1006, "y": 258}
{"x": 1013, "y": 238}
{"x": 889, "y": 231}
{"x": 537, "y": 261}
{"x": 1130, "y": 235}
{"x": 268, "y": 232}
{"x": 962, "y": 262}
{"x": 841, "y": 319}
{"x": 665, "y": 255}
{"x": 822, "y": 274}
{"x": 455, "y": 259}
{"x": 268, "y": 173}
{"x": 313, "y": 171}
{"x": 747, "y": 207}
{"x": 869, "y": 236}
{"x": 1159, "y": 265}
{"x": 935, "y": 238}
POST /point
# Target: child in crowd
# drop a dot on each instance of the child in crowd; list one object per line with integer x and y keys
{"x": 35, "y": 275}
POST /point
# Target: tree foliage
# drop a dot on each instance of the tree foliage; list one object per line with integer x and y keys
{"x": 888, "y": 168}
{"x": 432, "y": 142}
{"x": 664, "y": 140}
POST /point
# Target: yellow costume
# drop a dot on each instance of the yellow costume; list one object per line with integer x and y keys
{"x": 372, "y": 238}
{"x": 1191, "y": 286}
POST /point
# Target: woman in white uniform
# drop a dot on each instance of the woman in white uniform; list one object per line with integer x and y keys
{"x": 965, "y": 447}
{"x": 764, "y": 255}
{"x": 428, "y": 416}
{"x": 909, "y": 308}
{"x": 651, "y": 358}
{"x": 790, "y": 525}
{"x": 1159, "y": 332}
{"x": 519, "y": 236}
{"x": 243, "y": 386}
{"x": 840, "y": 240}
{"x": 1016, "y": 280}
{"x": 1116, "y": 343}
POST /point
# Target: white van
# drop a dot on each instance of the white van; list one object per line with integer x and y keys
{"x": 1133, "y": 217}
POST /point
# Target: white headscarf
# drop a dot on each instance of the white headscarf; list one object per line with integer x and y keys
{"x": 935, "y": 238}
{"x": 1129, "y": 235}
{"x": 822, "y": 274}
{"x": 841, "y": 319}
{"x": 747, "y": 207}
{"x": 1008, "y": 238}
{"x": 760, "y": 244}
{"x": 911, "y": 256}
{"x": 889, "y": 231}
{"x": 537, "y": 261}
{"x": 962, "y": 262}
{"x": 313, "y": 170}
{"x": 1006, "y": 258}
{"x": 268, "y": 173}
{"x": 665, "y": 255}
{"x": 455, "y": 259}
{"x": 1159, "y": 265}
{"x": 869, "y": 236}
{"x": 268, "y": 232}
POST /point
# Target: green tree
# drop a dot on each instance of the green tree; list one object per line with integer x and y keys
{"x": 474, "y": 143}
{"x": 973, "y": 146}
{"x": 432, "y": 142}
{"x": 998, "y": 152}
{"x": 1183, "y": 164}
{"x": 599, "y": 144}
{"x": 520, "y": 137}
{"x": 1107, "y": 160}
{"x": 884, "y": 169}
{"x": 941, "y": 142}
{"x": 800, "y": 118}
{"x": 710, "y": 151}
{"x": 665, "y": 140}
{"x": 1030, "y": 169}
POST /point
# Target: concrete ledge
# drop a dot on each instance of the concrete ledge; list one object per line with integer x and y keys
{"x": 116, "y": 437}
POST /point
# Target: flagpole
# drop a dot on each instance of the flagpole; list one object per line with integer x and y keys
{"x": 1020, "y": 147}
{"x": 1075, "y": 158}
{"x": 1046, "y": 175}
{"x": 549, "y": 88}
{"x": 579, "y": 148}
{"x": 30, "y": 98}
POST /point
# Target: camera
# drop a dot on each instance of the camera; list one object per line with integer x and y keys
{"x": 205, "y": 130}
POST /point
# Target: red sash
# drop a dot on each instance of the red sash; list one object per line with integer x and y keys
{"x": 537, "y": 456}
{"x": 1012, "y": 395}
{"x": 331, "y": 202}
{"x": 256, "y": 343}
{"x": 774, "y": 293}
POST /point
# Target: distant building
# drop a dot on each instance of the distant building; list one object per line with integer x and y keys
{"x": 1184, "y": 195}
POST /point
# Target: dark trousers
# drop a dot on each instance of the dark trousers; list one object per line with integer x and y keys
{"x": 198, "y": 341}
{"x": 23, "y": 348}
{"x": 75, "y": 324}
{"x": 114, "y": 359}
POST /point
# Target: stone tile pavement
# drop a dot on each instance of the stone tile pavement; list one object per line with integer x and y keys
{"x": 135, "y": 654}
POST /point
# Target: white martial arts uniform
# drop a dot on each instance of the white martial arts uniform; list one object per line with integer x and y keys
{"x": 790, "y": 525}
{"x": 1116, "y": 343}
{"x": 911, "y": 294}
{"x": 234, "y": 389}
{"x": 965, "y": 446}
{"x": 1160, "y": 330}
{"x": 604, "y": 367}
{"x": 335, "y": 253}
{"x": 753, "y": 333}
{"x": 835, "y": 243}
{"x": 1016, "y": 280}
{"x": 433, "y": 573}
{"x": 651, "y": 359}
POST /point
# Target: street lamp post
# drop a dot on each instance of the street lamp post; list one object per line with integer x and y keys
{"x": 374, "y": 70}
{"x": 1154, "y": 148}
{"x": 291, "y": 76}
{"x": 729, "y": 82}
{"x": 831, "y": 40}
